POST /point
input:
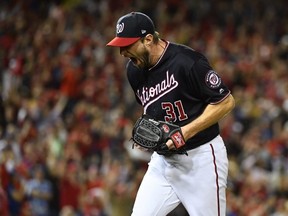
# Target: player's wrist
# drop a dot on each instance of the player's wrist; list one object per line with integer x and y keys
{"x": 187, "y": 132}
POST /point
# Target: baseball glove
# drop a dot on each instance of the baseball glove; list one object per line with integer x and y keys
{"x": 153, "y": 135}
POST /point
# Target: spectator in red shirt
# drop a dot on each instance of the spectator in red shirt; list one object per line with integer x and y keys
{"x": 70, "y": 187}
{"x": 3, "y": 202}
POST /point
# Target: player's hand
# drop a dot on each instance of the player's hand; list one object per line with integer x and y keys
{"x": 170, "y": 144}
{"x": 136, "y": 146}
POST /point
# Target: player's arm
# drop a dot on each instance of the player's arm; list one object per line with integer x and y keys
{"x": 211, "y": 115}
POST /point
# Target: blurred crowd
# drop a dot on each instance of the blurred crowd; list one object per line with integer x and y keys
{"x": 67, "y": 109}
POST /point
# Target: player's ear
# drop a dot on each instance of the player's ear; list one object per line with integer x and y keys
{"x": 148, "y": 40}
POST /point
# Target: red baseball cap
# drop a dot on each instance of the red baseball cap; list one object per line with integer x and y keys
{"x": 130, "y": 28}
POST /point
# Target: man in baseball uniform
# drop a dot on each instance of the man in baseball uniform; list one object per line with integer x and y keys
{"x": 175, "y": 83}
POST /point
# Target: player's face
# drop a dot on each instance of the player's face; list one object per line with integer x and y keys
{"x": 138, "y": 54}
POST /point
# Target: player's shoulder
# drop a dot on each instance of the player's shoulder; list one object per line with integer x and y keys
{"x": 134, "y": 74}
{"x": 184, "y": 51}
{"x": 132, "y": 69}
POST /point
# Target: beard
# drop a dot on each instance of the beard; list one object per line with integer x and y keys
{"x": 144, "y": 62}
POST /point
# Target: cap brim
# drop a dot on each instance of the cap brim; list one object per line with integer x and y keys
{"x": 122, "y": 42}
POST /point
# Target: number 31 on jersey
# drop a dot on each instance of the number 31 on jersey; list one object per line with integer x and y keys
{"x": 174, "y": 111}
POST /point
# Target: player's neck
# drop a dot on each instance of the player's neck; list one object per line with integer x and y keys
{"x": 157, "y": 51}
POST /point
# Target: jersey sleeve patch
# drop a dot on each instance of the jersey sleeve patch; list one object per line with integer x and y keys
{"x": 212, "y": 79}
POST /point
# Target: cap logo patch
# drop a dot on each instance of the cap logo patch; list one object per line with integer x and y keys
{"x": 212, "y": 79}
{"x": 119, "y": 28}
{"x": 143, "y": 31}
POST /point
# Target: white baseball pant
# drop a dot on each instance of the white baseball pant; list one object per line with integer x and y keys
{"x": 198, "y": 181}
